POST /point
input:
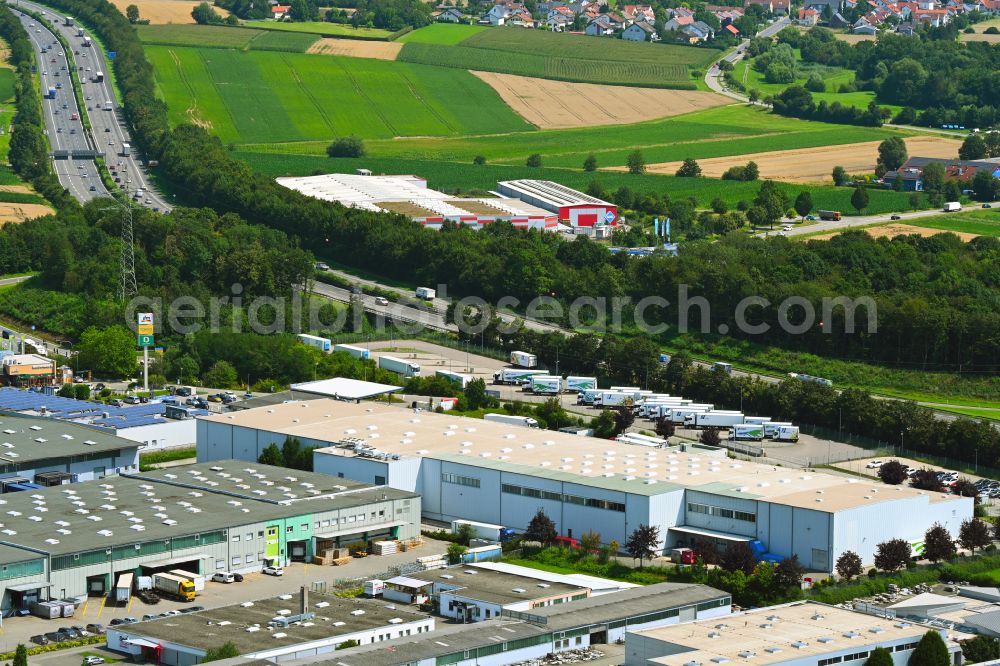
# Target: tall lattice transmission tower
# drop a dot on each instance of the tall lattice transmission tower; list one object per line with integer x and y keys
{"x": 127, "y": 286}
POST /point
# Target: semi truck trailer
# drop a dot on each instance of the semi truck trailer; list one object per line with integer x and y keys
{"x": 123, "y": 588}
{"x": 523, "y": 359}
{"x": 546, "y": 384}
{"x": 714, "y": 419}
{"x": 511, "y": 419}
{"x": 771, "y": 428}
{"x": 748, "y": 432}
{"x": 484, "y": 530}
{"x": 577, "y": 384}
{"x": 356, "y": 352}
{"x": 322, "y": 344}
{"x": 398, "y": 365}
{"x": 515, "y": 375}
{"x": 456, "y": 378}
{"x": 174, "y": 586}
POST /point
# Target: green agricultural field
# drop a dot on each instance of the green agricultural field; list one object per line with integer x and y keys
{"x": 225, "y": 37}
{"x": 719, "y": 132}
{"x": 564, "y": 57}
{"x": 321, "y": 28}
{"x": 983, "y": 222}
{"x": 441, "y": 33}
{"x": 454, "y": 176}
{"x": 259, "y": 96}
{"x": 6, "y": 85}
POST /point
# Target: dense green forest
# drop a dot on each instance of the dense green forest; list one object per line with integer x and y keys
{"x": 952, "y": 81}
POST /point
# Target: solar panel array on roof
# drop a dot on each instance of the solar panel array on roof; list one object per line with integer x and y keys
{"x": 17, "y": 400}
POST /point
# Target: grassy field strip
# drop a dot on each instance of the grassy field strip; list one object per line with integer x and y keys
{"x": 319, "y": 28}
{"x": 441, "y": 33}
{"x": 268, "y": 97}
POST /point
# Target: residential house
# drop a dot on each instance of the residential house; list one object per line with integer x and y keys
{"x": 808, "y": 17}
{"x": 599, "y": 27}
{"x": 699, "y": 31}
{"x": 497, "y": 15}
{"x": 988, "y": 6}
{"x": 640, "y": 31}
{"x": 680, "y": 11}
{"x": 634, "y": 13}
{"x": 838, "y": 21}
{"x": 911, "y": 173}
{"x": 726, "y": 15}
{"x": 279, "y": 12}
{"x": 862, "y": 27}
{"x": 558, "y": 23}
{"x": 932, "y": 17}
{"x": 678, "y": 22}
{"x": 731, "y": 30}
{"x": 768, "y": 5}
{"x": 521, "y": 18}
{"x": 906, "y": 29}
{"x": 451, "y": 15}
{"x": 560, "y": 10}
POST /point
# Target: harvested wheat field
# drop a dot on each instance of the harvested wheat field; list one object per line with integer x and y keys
{"x": 854, "y": 39}
{"x": 813, "y": 165}
{"x": 15, "y": 212}
{"x": 159, "y": 12}
{"x": 979, "y": 37}
{"x": 355, "y": 48}
{"x": 557, "y": 104}
{"x": 890, "y": 230}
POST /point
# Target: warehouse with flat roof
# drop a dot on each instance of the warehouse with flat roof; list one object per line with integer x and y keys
{"x": 798, "y": 634}
{"x": 572, "y": 206}
{"x": 59, "y": 451}
{"x": 409, "y": 195}
{"x": 222, "y": 516}
{"x": 500, "y": 474}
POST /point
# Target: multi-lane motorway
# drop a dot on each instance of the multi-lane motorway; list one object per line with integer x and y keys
{"x": 62, "y": 117}
{"x": 108, "y": 130}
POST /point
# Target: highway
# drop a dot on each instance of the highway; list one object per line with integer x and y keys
{"x": 108, "y": 125}
{"x": 62, "y": 117}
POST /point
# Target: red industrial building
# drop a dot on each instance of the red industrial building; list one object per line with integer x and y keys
{"x": 574, "y": 208}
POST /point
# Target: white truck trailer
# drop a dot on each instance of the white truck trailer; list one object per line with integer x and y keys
{"x": 123, "y": 588}
{"x": 399, "y": 366}
{"x": 612, "y": 398}
{"x": 515, "y": 376}
{"x": 679, "y": 415}
{"x": 771, "y": 428}
{"x": 546, "y": 384}
{"x": 356, "y": 352}
{"x": 576, "y": 384}
{"x": 196, "y": 579}
{"x": 322, "y": 344}
{"x": 523, "y": 359}
{"x": 426, "y": 293}
{"x": 456, "y": 378}
{"x": 586, "y": 396}
{"x": 786, "y": 433}
{"x": 757, "y": 420}
{"x": 511, "y": 419}
{"x": 715, "y": 419}
{"x": 748, "y": 432}
{"x": 952, "y": 207}
{"x": 486, "y": 531}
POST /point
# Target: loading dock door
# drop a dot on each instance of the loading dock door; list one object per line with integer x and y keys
{"x": 97, "y": 586}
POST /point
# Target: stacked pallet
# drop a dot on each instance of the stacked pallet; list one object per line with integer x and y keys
{"x": 386, "y": 547}
{"x": 429, "y": 562}
{"x": 415, "y": 542}
{"x": 331, "y": 556}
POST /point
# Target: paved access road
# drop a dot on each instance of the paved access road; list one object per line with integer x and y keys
{"x": 109, "y": 129}
{"x": 863, "y": 220}
{"x": 62, "y": 116}
{"x": 713, "y": 76}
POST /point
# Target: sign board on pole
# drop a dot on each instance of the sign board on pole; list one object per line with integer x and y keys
{"x": 145, "y": 323}
{"x": 146, "y": 341}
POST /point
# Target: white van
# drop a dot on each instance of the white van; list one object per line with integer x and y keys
{"x": 223, "y": 577}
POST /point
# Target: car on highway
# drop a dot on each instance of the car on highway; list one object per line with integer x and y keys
{"x": 93, "y": 188}
{"x": 381, "y": 300}
{"x": 274, "y": 571}
{"x": 895, "y": 217}
{"x": 986, "y": 205}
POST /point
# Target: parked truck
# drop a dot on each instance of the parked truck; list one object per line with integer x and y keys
{"x": 426, "y": 293}
{"x": 587, "y": 396}
{"x": 786, "y": 433}
{"x": 456, "y": 378}
{"x": 952, "y": 207}
{"x": 123, "y": 588}
{"x": 771, "y": 428}
{"x": 523, "y": 359}
{"x": 174, "y": 586}
{"x": 515, "y": 375}
{"x": 748, "y": 432}
{"x": 356, "y": 352}
{"x": 714, "y": 419}
{"x": 399, "y": 366}
{"x": 612, "y": 398}
{"x": 322, "y": 344}
{"x": 679, "y": 415}
{"x": 484, "y": 530}
{"x": 196, "y": 579}
{"x": 546, "y": 384}
{"x": 576, "y": 384}
{"x": 511, "y": 419}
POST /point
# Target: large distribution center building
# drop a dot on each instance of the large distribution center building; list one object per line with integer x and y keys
{"x": 495, "y": 473}
{"x": 575, "y": 208}
{"x": 410, "y": 196}
{"x": 74, "y": 540}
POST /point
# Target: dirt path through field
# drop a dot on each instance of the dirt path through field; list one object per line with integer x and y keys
{"x": 813, "y": 165}
{"x": 355, "y": 48}
{"x": 890, "y": 230}
{"x": 18, "y": 212}
{"x": 158, "y": 12}
{"x": 557, "y": 104}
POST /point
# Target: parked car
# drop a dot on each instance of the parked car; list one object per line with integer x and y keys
{"x": 223, "y": 577}
{"x": 238, "y": 577}
{"x": 40, "y": 639}
{"x": 874, "y": 464}
{"x": 149, "y": 616}
{"x": 92, "y": 661}
{"x": 70, "y": 631}
{"x": 95, "y": 628}
{"x": 274, "y": 571}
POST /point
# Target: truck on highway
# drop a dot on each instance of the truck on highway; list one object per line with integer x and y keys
{"x": 86, "y": 42}
{"x": 829, "y": 215}
{"x": 748, "y": 432}
{"x": 126, "y": 150}
{"x": 98, "y": 77}
{"x": 108, "y": 106}
{"x": 356, "y": 352}
{"x": 719, "y": 366}
{"x": 484, "y": 530}
{"x": 51, "y": 94}
{"x": 810, "y": 379}
{"x": 546, "y": 384}
{"x": 398, "y": 365}
{"x": 456, "y": 378}
{"x": 68, "y": 20}
{"x": 511, "y": 419}
{"x": 123, "y": 588}
{"x": 523, "y": 359}
{"x": 952, "y": 207}
{"x": 79, "y": 32}
{"x": 714, "y": 419}
{"x": 322, "y": 344}
{"x": 426, "y": 293}
{"x": 577, "y": 384}
{"x": 514, "y": 375}
{"x": 174, "y": 586}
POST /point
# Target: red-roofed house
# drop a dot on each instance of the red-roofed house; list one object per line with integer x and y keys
{"x": 678, "y": 22}
{"x": 280, "y": 11}
{"x": 808, "y": 17}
